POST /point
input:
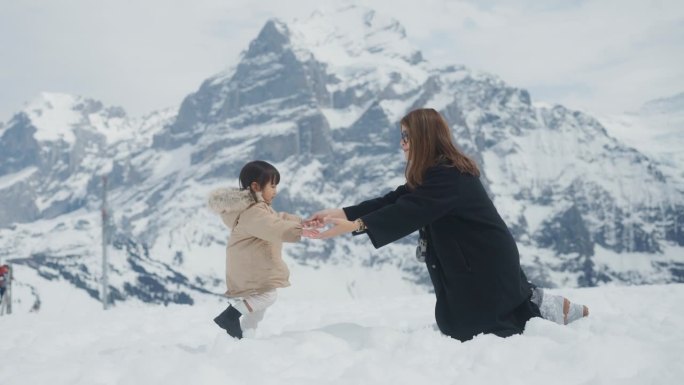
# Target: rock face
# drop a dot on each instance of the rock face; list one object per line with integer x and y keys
{"x": 322, "y": 98}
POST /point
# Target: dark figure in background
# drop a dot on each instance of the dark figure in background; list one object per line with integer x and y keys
{"x": 4, "y": 280}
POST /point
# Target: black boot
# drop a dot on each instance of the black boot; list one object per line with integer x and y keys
{"x": 230, "y": 321}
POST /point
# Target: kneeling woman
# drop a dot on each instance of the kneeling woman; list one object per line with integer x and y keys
{"x": 470, "y": 254}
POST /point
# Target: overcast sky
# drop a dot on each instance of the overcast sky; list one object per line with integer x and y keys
{"x": 599, "y": 56}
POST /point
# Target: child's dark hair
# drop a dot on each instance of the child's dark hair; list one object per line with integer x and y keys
{"x": 260, "y": 172}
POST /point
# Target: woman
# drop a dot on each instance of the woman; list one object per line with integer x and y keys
{"x": 471, "y": 256}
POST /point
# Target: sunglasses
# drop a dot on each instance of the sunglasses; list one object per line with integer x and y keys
{"x": 404, "y": 136}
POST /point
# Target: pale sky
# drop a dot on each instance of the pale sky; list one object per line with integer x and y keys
{"x": 599, "y": 56}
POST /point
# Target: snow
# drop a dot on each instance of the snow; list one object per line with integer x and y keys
{"x": 396, "y": 109}
{"x": 535, "y": 215}
{"x": 53, "y": 116}
{"x": 356, "y": 31}
{"x": 343, "y": 117}
{"x": 645, "y": 263}
{"x": 10, "y": 179}
{"x": 566, "y": 155}
{"x": 633, "y": 336}
{"x": 56, "y": 116}
{"x": 77, "y": 234}
{"x": 172, "y": 161}
{"x": 440, "y": 101}
{"x": 364, "y": 51}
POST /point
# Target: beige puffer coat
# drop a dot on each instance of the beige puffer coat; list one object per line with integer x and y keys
{"x": 254, "y": 262}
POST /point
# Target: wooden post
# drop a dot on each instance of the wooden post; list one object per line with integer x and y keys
{"x": 8, "y": 293}
{"x": 105, "y": 214}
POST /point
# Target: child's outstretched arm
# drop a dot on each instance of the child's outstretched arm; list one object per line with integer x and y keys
{"x": 307, "y": 231}
{"x": 290, "y": 217}
{"x": 264, "y": 224}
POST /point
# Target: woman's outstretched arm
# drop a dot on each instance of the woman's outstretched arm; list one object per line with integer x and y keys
{"x": 435, "y": 197}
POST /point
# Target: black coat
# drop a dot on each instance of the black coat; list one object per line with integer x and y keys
{"x": 472, "y": 257}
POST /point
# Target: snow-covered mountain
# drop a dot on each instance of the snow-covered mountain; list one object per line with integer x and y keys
{"x": 656, "y": 130}
{"x": 321, "y": 98}
{"x": 672, "y": 105}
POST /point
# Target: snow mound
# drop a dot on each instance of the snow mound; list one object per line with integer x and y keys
{"x": 633, "y": 336}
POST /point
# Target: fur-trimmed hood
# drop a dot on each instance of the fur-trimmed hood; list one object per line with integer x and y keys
{"x": 230, "y": 202}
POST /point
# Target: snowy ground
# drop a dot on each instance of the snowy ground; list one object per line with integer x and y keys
{"x": 634, "y": 336}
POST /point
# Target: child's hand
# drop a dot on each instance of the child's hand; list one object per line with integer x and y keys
{"x": 313, "y": 224}
{"x": 340, "y": 226}
{"x": 309, "y": 233}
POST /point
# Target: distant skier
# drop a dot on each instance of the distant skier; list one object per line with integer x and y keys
{"x": 4, "y": 280}
{"x": 254, "y": 266}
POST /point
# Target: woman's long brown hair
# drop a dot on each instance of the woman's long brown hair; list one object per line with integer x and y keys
{"x": 430, "y": 142}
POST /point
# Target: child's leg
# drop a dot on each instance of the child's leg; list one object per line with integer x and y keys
{"x": 251, "y": 320}
{"x": 254, "y": 308}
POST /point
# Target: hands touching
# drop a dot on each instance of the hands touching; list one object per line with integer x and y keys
{"x": 336, "y": 217}
{"x": 340, "y": 226}
{"x": 317, "y": 220}
{"x": 309, "y": 233}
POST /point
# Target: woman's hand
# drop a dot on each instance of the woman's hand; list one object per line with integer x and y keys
{"x": 340, "y": 226}
{"x": 317, "y": 220}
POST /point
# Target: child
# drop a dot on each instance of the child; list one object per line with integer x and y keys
{"x": 254, "y": 266}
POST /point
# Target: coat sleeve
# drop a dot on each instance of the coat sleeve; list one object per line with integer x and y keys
{"x": 289, "y": 217}
{"x": 434, "y": 198}
{"x": 264, "y": 224}
{"x": 367, "y": 207}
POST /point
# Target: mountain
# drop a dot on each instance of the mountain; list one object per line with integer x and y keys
{"x": 656, "y": 130}
{"x": 321, "y": 98}
{"x": 672, "y": 105}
